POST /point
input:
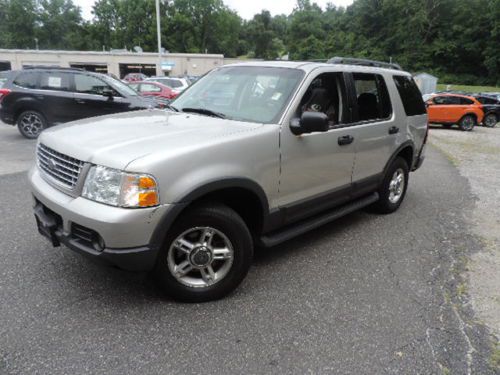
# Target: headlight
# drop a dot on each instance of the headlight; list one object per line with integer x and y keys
{"x": 118, "y": 188}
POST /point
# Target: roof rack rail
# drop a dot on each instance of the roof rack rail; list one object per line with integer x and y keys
{"x": 50, "y": 67}
{"x": 365, "y": 62}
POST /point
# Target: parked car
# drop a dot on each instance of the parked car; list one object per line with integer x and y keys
{"x": 450, "y": 109}
{"x": 150, "y": 88}
{"x": 187, "y": 193}
{"x": 177, "y": 85}
{"x": 34, "y": 99}
{"x": 135, "y": 77}
{"x": 491, "y": 109}
{"x": 496, "y": 95}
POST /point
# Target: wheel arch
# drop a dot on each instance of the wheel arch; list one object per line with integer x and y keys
{"x": 243, "y": 195}
{"x": 406, "y": 151}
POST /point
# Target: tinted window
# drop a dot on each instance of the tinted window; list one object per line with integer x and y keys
{"x": 148, "y": 87}
{"x": 57, "y": 81}
{"x": 410, "y": 96}
{"x": 447, "y": 100}
{"x": 27, "y": 80}
{"x": 170, "y": 82}
{"x": 466, "y": 101}
{"x": 480, "y": 99}
{"x": 89, "y": 85}
{"x": 372, "y": 96}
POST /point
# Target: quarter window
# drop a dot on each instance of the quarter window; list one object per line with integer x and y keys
{"x": 372, "y": 97}
{"x": 410, "y": 96}
{"x": 55, "y": 81}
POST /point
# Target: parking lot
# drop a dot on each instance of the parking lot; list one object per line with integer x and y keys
{"x": 366, "y": 294}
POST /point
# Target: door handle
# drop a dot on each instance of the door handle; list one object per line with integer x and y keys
{"x": 345, "y": 140}
{"x": 393, "y": 130}
{"x": 80, "y": 101}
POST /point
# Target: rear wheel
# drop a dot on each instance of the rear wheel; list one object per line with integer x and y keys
{"x": 206, "y": 254}
{"x": 467, "y": 123}
{"x": 393, "y": 188}
{"x": 490, "y": 120}
{"x": 31, "y": 124}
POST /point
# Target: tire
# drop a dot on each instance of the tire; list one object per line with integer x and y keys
{"x": 490, "y": 120}
{"x": 182, "y": 269}
{"x": 31, "y": 123}
{"x": 391, "y": 195}
{"x": 467, "y": 123}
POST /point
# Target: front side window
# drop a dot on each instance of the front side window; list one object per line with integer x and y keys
{"x": 85, "y": 84}
{"x": 410, "y": 96}
{"x": 27, "y": 80}
{"x": 447, "y": 100}
{"x": 372, "y": 97}
{"x": 57, "y": 81}
{"x": 246, "y": 93}
{"x": 326, "y": 94}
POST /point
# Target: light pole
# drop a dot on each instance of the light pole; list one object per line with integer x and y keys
{"x": 36, "y": 43}
{"x": 159, "y": 71}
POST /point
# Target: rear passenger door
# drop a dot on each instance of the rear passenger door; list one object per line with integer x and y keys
{"x": 55, "y": 95}
{"x": 374, "y": 128}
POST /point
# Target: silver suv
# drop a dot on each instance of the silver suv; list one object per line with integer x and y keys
{"x": 250, "y": 155}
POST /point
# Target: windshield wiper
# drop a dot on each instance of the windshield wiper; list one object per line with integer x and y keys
{"x": 204, "y": 111}
{"x": 170, "y": 106}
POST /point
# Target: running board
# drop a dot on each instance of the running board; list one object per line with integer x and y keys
{"x": 294, "y": 230}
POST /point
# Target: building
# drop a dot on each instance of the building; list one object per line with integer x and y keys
{"x": 426, "y": 83}
{"x": 115, "y": 62}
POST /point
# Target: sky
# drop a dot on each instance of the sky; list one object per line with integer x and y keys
{"x": 245, "y": 8}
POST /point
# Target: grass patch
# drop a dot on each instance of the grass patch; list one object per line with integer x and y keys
{"x": 443, "y": 87}
{"x": 495, "y": 357}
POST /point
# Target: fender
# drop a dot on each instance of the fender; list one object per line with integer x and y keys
{"x": 180, "y": 204}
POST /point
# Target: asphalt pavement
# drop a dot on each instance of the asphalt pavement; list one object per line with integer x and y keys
{"x": 367, "y": 294}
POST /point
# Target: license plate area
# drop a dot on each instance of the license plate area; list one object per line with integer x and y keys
{"x": 48, "y": 222}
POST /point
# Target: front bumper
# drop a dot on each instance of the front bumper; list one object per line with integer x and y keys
{"x": 109, "y": 235}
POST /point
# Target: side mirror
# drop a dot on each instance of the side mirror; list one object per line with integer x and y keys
{"x": 107, "y": 92}
{"x": 310, "y": 122}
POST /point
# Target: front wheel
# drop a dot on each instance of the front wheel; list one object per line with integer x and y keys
{"x": 31, "y": 124}
{"x": 467, "y": 123}
{"x": 206, "y": 255}
{"x": 393, "y": 188}
{"x": 490, "y": 120}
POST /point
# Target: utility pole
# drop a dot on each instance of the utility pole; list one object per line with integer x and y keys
{"x": 159, "y": 70}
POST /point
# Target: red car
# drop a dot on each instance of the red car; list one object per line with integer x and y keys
{"x": 148, "y": 88}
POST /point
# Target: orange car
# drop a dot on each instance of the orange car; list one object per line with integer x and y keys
{"x": 449, "y": 109}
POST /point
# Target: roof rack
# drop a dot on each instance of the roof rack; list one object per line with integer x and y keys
{"x": 49, "y": 67}
{"x": 364, "y": 62}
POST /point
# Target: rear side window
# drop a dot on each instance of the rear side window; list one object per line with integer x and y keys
{"x": 466, "y": 101}
{"x": 410, "y": 96}
{"x": 372, "y": 96}
{"x": 27, "y": 80}
{"x": 57, "y": 81}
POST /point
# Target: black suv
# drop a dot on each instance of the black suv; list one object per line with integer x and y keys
{"x": 491, "y": 108}
{"x": 37, "y": 98}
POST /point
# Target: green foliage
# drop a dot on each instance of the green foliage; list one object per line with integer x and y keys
{"x": 456, "y": 40}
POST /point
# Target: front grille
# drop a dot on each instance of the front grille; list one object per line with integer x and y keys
{"x": 62, "y": 168}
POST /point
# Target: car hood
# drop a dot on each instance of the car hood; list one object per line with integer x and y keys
{"x": 117, "y": 140}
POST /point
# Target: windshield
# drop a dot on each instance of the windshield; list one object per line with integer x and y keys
{"x": 121, "y": 87}
{"x": 254, "y": 94}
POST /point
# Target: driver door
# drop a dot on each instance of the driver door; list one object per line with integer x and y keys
{"x": 316, "y": 168}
